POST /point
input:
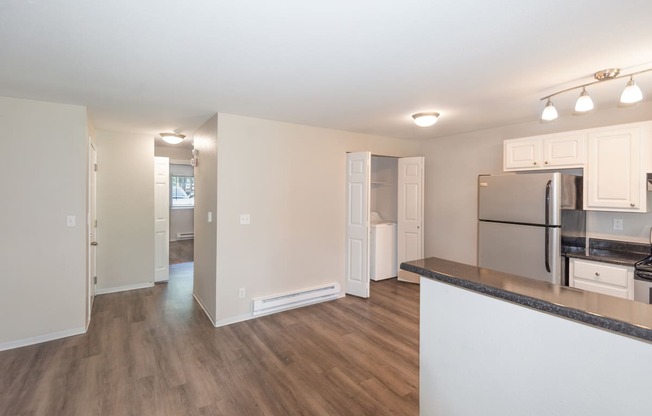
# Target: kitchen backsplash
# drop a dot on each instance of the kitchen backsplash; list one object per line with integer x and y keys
{"x": 636, "y": 227}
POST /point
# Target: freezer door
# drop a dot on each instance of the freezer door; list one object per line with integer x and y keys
{"x": 520, "y": 250}
{"x": 520, "y": 198}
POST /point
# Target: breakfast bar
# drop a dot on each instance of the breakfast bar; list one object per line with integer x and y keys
{"x": 495, "y": 343}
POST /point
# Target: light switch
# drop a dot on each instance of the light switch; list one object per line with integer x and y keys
{"x": 210, "y": 216}
{"x": 70, "y": 221}
{"x": 245, "y": 219}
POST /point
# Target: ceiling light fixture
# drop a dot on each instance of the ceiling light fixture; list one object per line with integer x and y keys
{"x": 631, "y": 94}
{"x": 425, "y": 119}
{"x": 549, "y": 112}
{"x": 172, "y": 138}
{"x": 584, "y": 102}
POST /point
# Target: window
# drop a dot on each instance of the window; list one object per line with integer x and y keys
{"x": 182, "y": 191}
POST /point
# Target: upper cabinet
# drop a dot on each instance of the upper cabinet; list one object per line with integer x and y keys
{"x": 555, "y": 151}
{"x": 616, "y": 172}
{"x": 615, "y": 160}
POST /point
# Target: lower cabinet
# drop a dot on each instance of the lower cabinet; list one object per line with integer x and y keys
{"x": 605, "y": 278}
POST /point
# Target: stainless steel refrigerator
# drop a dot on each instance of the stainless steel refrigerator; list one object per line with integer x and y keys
{"x": 522, "y": 220}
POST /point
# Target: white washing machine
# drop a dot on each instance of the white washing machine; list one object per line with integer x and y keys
{"x": 383, "y": 256}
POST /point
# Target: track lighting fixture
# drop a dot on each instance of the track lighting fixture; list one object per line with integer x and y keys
{"x": 631, "y": 94}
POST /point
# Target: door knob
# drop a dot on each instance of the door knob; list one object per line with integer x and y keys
{"x": 94, "y": 243}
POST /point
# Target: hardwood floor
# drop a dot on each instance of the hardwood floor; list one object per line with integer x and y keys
{"x": 154, "y": 352}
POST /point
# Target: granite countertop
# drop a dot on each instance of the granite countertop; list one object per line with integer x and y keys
{"x": 622, "y": 316}
{"x": 609, "y": 251}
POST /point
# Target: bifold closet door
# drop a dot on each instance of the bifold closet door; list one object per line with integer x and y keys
{"x": 358, "y": 184}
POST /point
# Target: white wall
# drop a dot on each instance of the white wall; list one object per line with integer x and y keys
{"x": 43, "y": 153}
{"x": 174, "y": 153}
{"x": 181, "y": 221}
{"x": 205, "y": 246}
{"x": 454, "y": 162}
{"x": 484, "y": 356}
{"x": 291, "y": 180}
{"x": 125, "y": 211}
{"x": 384, "y": 193}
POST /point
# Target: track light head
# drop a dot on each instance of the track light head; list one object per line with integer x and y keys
{"x": 632, "y": 93}
{"x": 549, "y": 112}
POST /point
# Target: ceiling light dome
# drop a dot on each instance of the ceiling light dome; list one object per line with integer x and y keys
{"x": 584, "y": 102}
{"x": 549, "y": 112}
{"x": 172, "y": 138}
{"x": 632, "y": 93}
{"x": 425, "y": 119}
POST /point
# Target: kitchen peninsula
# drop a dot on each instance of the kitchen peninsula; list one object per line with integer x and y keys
{"x": 495, "y": 343}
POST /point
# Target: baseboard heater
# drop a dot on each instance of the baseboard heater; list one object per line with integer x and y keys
{"x": 185, "y": 236}
{"x": 290, "y": 300}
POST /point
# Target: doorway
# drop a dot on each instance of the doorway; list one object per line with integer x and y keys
{"x": 382, "y": 190}
{"x": 175, "y": 251}
{"x": 182, "y": 212}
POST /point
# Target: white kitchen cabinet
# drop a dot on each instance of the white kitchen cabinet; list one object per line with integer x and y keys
{"x": 615, "y": 175}
{"x": 553, "y": 151}
{"x": 605, "y": 278}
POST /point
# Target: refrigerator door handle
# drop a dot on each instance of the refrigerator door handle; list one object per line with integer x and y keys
{"x": 547, "y": 215}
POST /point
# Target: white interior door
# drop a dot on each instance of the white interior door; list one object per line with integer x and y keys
{"x": 92, "y": 228}
{"x": 358, "y": 184}
{"x": 410, "y": 212}
{"x": 161, "y": 219}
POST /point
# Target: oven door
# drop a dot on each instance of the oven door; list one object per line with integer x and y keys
{"x": 643, "y": 287}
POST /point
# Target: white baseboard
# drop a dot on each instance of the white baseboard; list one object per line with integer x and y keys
{"x": 248, "y": 316}
{"x": 123, "y": 288}
{"x": 41, "y": 338}
{"x": 210, "y": 317}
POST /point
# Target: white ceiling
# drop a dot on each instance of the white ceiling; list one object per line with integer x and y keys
{"x": 156, "y": 65}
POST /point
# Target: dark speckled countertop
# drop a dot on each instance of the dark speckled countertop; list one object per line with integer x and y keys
{"x": 610, "y": 251}
{"x": 626, "y": 317}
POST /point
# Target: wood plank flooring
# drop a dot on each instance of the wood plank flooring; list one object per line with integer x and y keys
{"x": 154, "y": 352}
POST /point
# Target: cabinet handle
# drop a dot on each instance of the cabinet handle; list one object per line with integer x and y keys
{"x": 534, "y": 163}
{"x": 597, "y": 274}
{"x": 631, "y": 204}
{"x": 546, "y": 162}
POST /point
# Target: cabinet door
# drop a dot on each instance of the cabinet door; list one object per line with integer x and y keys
{"x": 614, "y": 170}
{"x": 608, "y": 279}
{"x": 522, "y": 154}
{"x": 564, "y": 151}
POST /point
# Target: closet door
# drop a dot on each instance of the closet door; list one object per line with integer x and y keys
{"x": 161, "y": 219}
{"x": 358, "y": 183}
{"x": 410, "y": 211}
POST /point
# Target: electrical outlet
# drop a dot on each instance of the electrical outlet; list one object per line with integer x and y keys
{"x": 618, "y": 224}
{"x": 241, "y": 293}
{"x": 245, "y": 219}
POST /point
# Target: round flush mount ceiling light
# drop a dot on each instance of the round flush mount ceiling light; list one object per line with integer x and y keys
{"x": 172, "y": 138}
{"x": 425, "y": 119}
